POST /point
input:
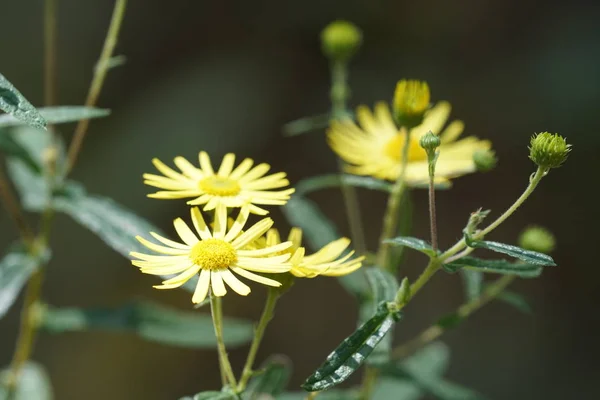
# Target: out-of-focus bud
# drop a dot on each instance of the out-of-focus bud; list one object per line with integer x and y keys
{"x": 411, "y": 100}
{"x": 485, "y": 160}
{"x": 340, "y": 40}
{"x": 538, "y": 239}
{"x": 548, "y": 150}
{"x": 50, "y": 158}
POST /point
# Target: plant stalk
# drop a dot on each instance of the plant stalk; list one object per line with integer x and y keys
{"x": 216, "y": 310}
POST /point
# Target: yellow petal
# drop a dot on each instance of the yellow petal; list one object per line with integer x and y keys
{"x": 184, "y": 232}
{"x": 254, "y": 277}
{"x": 226, "y": 165}
{"x": 238, "y": 286}
{"x": 201, "y": 287}
{"x": 216, "y": 281}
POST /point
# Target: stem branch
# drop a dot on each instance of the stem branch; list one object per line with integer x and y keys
{"x": 216, "y": 310}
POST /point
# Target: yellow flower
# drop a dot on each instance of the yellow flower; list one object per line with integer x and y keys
{"x": 411, "y": 100}
{"x": 326, "y": 261}
{"x": 214, "y": 255}
{"x": 375, "y": 148}
{"x": 230, "y": 187}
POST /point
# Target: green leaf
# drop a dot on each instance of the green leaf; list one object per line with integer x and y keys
{"x": 15, "y": 269}
{"x": 13, "y": 102}
{"x": 211, "y": 395}
{"x": 384, "y": 287}
{"x": 531, "y": 257}
{"x": 516, "y": 300}
{"x": 306, "y": 124}
{"x": 334, "y": 394}
{"x": 352, "y": 352}
{"x": 401, "y": 389}
{"x": 495, "y": 266}
{"x": 59, "y": 115}
{"x": 449, "y": 321}
{"x": 150, "y": 321}
{"x": 320, "y": 182}
{"x": 271, "y": 379}
{"x": 405, "y": 221}
{"x": 473, "y": 282}
{"x": 33, "y": 383}
{"x": 12, "y": 148}
{"x": 413, "y": 243}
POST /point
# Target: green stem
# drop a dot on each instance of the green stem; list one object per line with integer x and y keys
{"x": 216, "y": 309}
{"x": 433, "y": 266}
{"x": 265, "y": 318}
{"x": 97, "y": 81}
{"x": 435, "y": 331}
{"x": 368, "y": 383}
{"x": 12, "y": 207}
{"x": 432, "y": 210}
{"x": 533, "y": 183}
{"x": 340, "y": 92}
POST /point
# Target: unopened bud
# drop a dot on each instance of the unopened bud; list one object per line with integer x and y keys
{"x": 538, "y": 239}
{"x": 548, "y": 150}
{"x": 485, "y": 160}
{"x": 340, "y": 40}
{"x": 411, "y": 100}
{"x": 430, "y": 141}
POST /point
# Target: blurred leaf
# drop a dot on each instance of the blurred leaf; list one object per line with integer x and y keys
{"x": 413, "y": 243}
{"x": 495, "y": 266}
{"x": 405, "y": 220}
{"x": 400, "y": 389}
{"x": 516, "y": 300}
{"x": 473, "y": 282}
{"x": 306, "y": 124}
{"x": 383, "y": 289}
{"x": 315, "y": 183}
{"x": 449, "y": 321}
{"x": 319, "y": 231}
{"x": 211, "y": 395}
{"x": 15, "y": 269}
{"x": 531, "y": 257}
{"x": 59, "y": 115}
{"x": 334, "y": 394}
{"x": 113, "y": 62}
{"x": 352, "y": 352}
{"x": 13, "y": 102}
{"x": 12, "y": 148}
{"x": 150, "y": 321}
{"x": 271, "y": 379}
{"x": 34, "y": 383}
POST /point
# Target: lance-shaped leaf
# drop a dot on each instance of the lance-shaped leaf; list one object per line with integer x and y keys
{"x": 12, "y": 148}
{"x": 334, "y": 394}
{"x": 530, "y": 257}
{"x": 321, "y": 182}
{"x": 270, "y": 379}
{"x": 150, "y": 321}
{"x": 413, "y": 243}
{"x": 59, "y": 115}
{"x": 211, "y": 395}
{"x": 472, "y": 281}
{"x": 14, "y": 103}
{"x": 33, "y": 383}
{"x": 353, "y": 351}
{"x": 516, "y": 300}
{"x": 504, "y": 267}
{"x": 306, "y": 124}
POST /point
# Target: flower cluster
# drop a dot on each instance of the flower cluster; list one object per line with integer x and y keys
{"x": 218, "y": 251}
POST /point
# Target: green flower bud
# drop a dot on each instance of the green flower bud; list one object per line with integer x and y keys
{"x": 340, "y": 40}
{"x": 548, "y": 150}
{"x": 430, "y": 141}
{"x": 411, "y": 100}
{"x": 538, "y": 239}
{"x": 485, "y": 160}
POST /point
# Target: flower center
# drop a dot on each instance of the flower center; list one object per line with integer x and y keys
{"x": 213, "y": 254}
{"x": 394, "y": 147}
{"x": 218, "y": 186}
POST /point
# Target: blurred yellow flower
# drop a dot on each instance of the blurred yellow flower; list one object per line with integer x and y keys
{"x": 214, "y": 255}
{"x": 327, "y": 261}
{"x": 230, "y": 187}
{"x": 375, "y": 148}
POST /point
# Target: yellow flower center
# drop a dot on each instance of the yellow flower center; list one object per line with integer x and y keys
{"x": 218, "y": 186}
{"x": 395, "y": 146}
{"x": 213, "y": 254}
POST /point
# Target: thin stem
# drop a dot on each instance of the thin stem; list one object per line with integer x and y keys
{"x": 433, "y": 266}
{"x": 312, "y": 395}
{"x": 368, "y": 383}
{"x": 340, "y": 92}
{"x": 432, "y": 208}
{"x": 460, "y": 255}
{"x": 464, "y": 311}
{"x": 50, "y": 52}
{"x": 11, "y": 205}
{"x": 390, "y": 219}
{"x": 97, "y": 81}
{"x": 216, "y": 310}
{"x": 533, "y": 182}
{"x": 28, "y": 328}
{"x": 265, "y": 318}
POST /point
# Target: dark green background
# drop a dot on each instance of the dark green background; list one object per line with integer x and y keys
{"x": 224, "y": 76}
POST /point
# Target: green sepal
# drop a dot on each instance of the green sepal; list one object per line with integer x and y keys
{"x": 531, "y": 257}
{"x": 413, "y": 243}
{"x": 504, "y": 267}
{"x": 14, "y": 103}
{"x": 353, "y": 351}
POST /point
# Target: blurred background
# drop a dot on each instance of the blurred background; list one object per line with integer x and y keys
{"x": 225, "y": 76}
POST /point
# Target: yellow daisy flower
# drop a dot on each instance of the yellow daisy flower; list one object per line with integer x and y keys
{"x": 214, "y": 255}
{"x": 231, "y": 187}
{"x": 326, "y": 261}
{"x": 375, "y": 148}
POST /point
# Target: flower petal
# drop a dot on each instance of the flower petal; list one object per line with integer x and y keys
{"x": 254, "y": 277}
{"x": 238, "y": 286}
{"x": 216, "y": 281}
{"x": 226, "y": 165}
{"x": 200, "y": 225}
{"x": 184, "y": 232}
{"x": 201, "y": 287}
{"x": 205, "y": 164}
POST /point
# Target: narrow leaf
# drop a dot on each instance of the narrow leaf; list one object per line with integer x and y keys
{"x": 306, "y": 124}
{"x": 211, "y": 395}
{"x": 150, "y": 321}
{"x": 401, "y": 389}
{"x": 413, "y": 243}
{"x": 12, "y": 148}
{"x": 495, "y": 266}
{"x": 333, "y": 394}
{"x": 270, "y": 380}
{"x": 59, "y": 115}
{"x": 352, "y": 352}
{"x": 33, "y": 383}
{"x": 321, "y": 182}
{"x": 531, "y": 257}
{"x": 14, "y": 103}
{"x": 472, "y": 281}
{"x": 516, "y": 300}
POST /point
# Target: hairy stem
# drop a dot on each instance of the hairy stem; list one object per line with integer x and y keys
{"x": 97, "y": 81}
{"x": 216, "y": 310}
{"x": 265, "y": 318}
